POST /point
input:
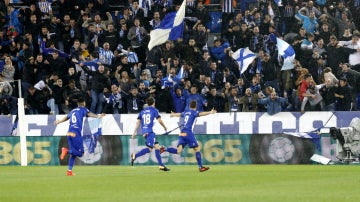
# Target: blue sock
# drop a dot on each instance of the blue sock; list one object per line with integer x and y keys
{"x": 158, "y": 157}
{"x": 171, "y": 150}
{"x": 71, "y": 162}
{"x": 142, "y": 152}
{"x": 198, "y": 159}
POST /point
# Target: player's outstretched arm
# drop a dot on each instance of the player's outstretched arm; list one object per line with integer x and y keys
{"x": 136, "y": 128}
{"x": 213, "y": 111}
{"x": 98, "y": 116}
{"x": 61, "y": 120}
{"x": 173, "y": 114}
{"x": 162, "y": 123}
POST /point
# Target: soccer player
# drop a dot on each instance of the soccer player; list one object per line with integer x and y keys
{"x": 186, "y": 136}
{"x": 75, "y": 140}
{"x": 146, "y": 119}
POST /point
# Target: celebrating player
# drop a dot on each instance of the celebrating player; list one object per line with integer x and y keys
{"x": 75, "y": 141}
{"x": 186, "y": 136}
{"x": 146, "y": 119}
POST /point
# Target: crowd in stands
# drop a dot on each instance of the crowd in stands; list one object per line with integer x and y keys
{"x": 61, "y": 50}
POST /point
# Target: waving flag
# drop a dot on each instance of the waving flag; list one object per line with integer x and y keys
{"x": 171, "y": 28}
{"x": 91, "y": 135}
{"x": 313, "y": 136}
{"x": 170, "y": 80}
{"x": 244, "y": 57}
{"x": 278, "y": 2}
{"x": 287, "y": 52}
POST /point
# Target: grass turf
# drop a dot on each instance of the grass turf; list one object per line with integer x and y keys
{"x": 182, "y": 183}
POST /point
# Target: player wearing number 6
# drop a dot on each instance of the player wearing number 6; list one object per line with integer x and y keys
{"x": 146, "y": 119}
{"x": 75, "y": 140}
{"x": 186, "y": 136}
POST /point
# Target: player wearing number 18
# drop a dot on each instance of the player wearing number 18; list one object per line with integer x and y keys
{"x": 186, "y": 136}
{"x": 146, "y": 119}
{"x": 75, "y": 140}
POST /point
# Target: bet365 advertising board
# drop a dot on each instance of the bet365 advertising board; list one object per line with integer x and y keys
{"x": 224, "y": 138}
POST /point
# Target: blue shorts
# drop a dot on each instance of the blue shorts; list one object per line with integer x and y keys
{"x": 151, "y": 139}
{"x": 76, "y": 145}
{"x": 188, "y": 139}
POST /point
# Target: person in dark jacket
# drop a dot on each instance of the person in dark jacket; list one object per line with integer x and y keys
{"x": 99, "y": 81}
{"x": 343, "y": 96}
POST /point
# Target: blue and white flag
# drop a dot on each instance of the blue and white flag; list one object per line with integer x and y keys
{"x": 170, "y": 80}
{"x": 91, "y": 137}
{"x": 313, "y": 136}
{"x": 171, "y": 28}
{"x": 287, "y": 52}
{"x": 278, "y": 2}
{"x": 244, "y": 57}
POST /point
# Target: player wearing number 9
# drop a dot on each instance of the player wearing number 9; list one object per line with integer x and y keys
{"x": 187, "y": 137}
{"x": 75, "y": 141}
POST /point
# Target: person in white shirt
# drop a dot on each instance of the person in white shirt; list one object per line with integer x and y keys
{"x": 354, "y": 43}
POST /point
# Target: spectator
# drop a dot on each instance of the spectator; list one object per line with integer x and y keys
{"x": 218, "y": 52}
{"x": 8, "y": 70}
{"x": 105, "y": 54}
{"x": 327, "y": 92}
{"x": 155, "y": 21}
{"x": 343, "y": 96}
{"x": 189, "y": 52}
{"x": 194, "y": 95}
{"x": 98, "y": 22}
{"x": 116, "y": 104}
{"x": 57, "y": 64}
{"x": 228, "y": 8}
{"x": 328, "y": 75}
{"x": 342, "y": 23}
{"x": 123, "y": 30}
{"x": 269, "y": 73}
{"x": 179, "y": 96}
{"x": 336, "y": 54}
{"x": 257, "y": 40}
{"x": 324, "y": 33}
{"x": 316, "y": 68}
{"x": 273, "y": 103}
{"x": 56, "y": 86}
{"x": 71, "y": 96}
{"x": 72, "y": 75}
{"x": 309, "y": 22}
{"x": 200, "y": 34}
{"x": 215, "y": 75}
{"x": 23, "y": 55}
{"x": 135, "y": 101}
{"x": 164, "y": 95}
{"x": 99, "y": 81}
{"x": 229, "y": 77}
{"x": 42, "y": 69}
{"x": 232, "y": 100}
{"x": 354, "y": 43}
{"x": 110, "y": 36}
{"x": 249, "y": 102}
{"x": 8, "y": 105}
{"x": 313, "y": 97}
{"x": 28, "y": 77}
{"x": 138, "y": 35}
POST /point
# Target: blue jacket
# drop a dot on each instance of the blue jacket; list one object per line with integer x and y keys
{"x": 272, "y": 106}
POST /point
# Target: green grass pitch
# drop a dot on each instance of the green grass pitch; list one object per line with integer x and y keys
{"x": 183, "y": 183}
